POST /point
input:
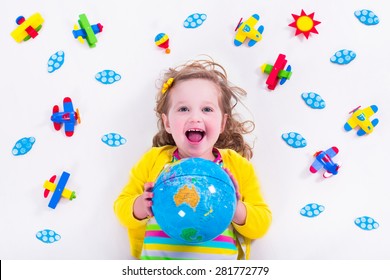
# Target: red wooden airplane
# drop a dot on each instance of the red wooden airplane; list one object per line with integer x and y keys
{"x": 276, "y": 72}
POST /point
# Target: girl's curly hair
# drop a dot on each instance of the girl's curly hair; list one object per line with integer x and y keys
{"x": 232, "y": 136}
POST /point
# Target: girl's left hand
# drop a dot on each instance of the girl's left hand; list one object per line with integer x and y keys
{"x": 238, "y": 195}
{"x": 240, "y": 215}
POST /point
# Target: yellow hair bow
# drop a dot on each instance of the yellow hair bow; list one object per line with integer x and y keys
{"x": 167, "y": 85}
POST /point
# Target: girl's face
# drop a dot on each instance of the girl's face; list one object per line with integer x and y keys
{"x": 194, "y": 117}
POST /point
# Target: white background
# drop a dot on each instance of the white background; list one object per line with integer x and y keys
{"x": 88, "y": 226}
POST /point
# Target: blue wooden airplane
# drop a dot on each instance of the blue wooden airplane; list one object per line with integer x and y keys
{"x": 324, "y": 160}
{"x": 69, "y": 117}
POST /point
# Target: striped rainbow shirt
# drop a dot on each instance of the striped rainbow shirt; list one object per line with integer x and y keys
{"x": 159, "y": 246}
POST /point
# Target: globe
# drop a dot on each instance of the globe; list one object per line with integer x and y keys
{"x": 194, "y": 200}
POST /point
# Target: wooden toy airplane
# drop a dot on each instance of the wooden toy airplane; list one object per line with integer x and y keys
{"x": 69, "y": 117}
{"x": 86, "y": 31}
{"x": 247, "y": 29}
{"x": 360, "y": 117}
{"x": 324, "y": 160}
{"x": 27, "y": 28}
{"x": 277, "y": 72}
{"x": 58, "y": 190}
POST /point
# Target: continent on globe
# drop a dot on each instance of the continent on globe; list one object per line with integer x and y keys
{"x": 187, "y": 195}
{"x": 189, "y": 235}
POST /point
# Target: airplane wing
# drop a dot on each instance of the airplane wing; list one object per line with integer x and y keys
{"x": 68, "y": 106}
{"x": 69, "y": 128}
{"x": 252, "y": 20}
{"x": 369, "y": 111}
{"x": 331, "y": 152}
{"x": 239, "y": 39}
{"x": 350, "y": 124}
{"x": 59, "y": 189}
{"x": 317, "y": 165}
{"x": 280, "y": 62}
{"x": 90, "y": 34}
{"x": 272, "y": 79}
{"x": 367, "y": 129}
{"x": 278, "y": 66}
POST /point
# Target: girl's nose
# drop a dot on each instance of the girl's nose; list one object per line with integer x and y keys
{"x": 195, "y": 118}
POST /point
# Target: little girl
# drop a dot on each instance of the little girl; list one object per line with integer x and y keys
{"x": 195, "y": 119}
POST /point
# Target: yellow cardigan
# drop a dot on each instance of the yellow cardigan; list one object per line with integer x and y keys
{"x": 149, "y": 167}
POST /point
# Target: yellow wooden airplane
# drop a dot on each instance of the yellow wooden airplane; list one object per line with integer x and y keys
{"x": 28, "y": 28}
{"x": 58, "y": 189}
{"x": 247, "y": 29}
{"x": 361, "y": 118}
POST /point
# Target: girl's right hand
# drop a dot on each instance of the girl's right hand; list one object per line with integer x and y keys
{"x": 143, "y": 204}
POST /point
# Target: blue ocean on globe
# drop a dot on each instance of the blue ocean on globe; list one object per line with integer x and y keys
{"x": 194, "y": 200}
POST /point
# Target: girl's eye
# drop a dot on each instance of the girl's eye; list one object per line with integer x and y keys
{"x": 207, "y": 109}
{"x": 183, "y": 109}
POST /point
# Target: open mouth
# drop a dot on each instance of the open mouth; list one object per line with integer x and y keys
{"x": 195, "y": 135}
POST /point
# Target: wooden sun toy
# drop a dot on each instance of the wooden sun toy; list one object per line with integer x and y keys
{"x": 304, "y": 24}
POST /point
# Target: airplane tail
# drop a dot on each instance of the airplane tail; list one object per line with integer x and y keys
{"x": 260, "y": 29}
{"x": 285, "y": 74}
{"x": 56, "y": 109}
{"x": 327, "y": 174}
{"x": 77, "y": 34}
{"x": 47, "y": 191}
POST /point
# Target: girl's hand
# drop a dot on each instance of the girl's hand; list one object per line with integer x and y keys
{"x": 238, "y": 195}
{"x": 142, "y": 205}
{"x": 240, "y": 214}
